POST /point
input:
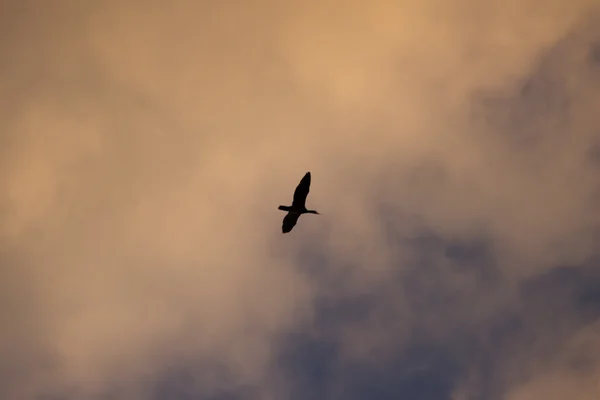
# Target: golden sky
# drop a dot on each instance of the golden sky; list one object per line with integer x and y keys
{"x": 145, "y": 147}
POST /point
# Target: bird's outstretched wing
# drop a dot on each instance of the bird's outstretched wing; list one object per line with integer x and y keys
{"x": 289, "y": 221}
{"x": 301, "y": 192}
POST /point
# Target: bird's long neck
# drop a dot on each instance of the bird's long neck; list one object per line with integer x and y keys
{"x": 312, "y": 212}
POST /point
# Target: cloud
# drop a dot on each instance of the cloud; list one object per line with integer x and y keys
{"x": 573, "y": 374}
{"x": 147, "y": 146}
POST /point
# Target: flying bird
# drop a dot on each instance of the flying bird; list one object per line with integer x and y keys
{"x": 298, "y": 206}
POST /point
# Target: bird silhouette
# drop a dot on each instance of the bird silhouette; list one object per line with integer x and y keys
{"x": 298, "y": 206}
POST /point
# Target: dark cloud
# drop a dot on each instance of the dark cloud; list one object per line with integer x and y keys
{"x": 468, "y": 321}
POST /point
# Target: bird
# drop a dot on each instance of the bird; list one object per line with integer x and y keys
{"x": 298, "y": 206}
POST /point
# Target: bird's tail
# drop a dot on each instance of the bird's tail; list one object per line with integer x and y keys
{"x": 284, "y": 208}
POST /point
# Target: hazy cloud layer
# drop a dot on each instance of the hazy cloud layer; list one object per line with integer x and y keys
{"x": 146, "y": 146}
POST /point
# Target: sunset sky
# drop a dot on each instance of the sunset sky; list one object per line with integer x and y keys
{"x": 454, "y": 147}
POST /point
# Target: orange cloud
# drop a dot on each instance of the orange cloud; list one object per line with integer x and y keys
{"x": 148, "y": 146}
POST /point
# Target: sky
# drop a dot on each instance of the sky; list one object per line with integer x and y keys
{"x": 454, "y": 147}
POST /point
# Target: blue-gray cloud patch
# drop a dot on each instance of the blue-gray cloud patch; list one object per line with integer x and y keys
{"x": 534, "y": 321}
